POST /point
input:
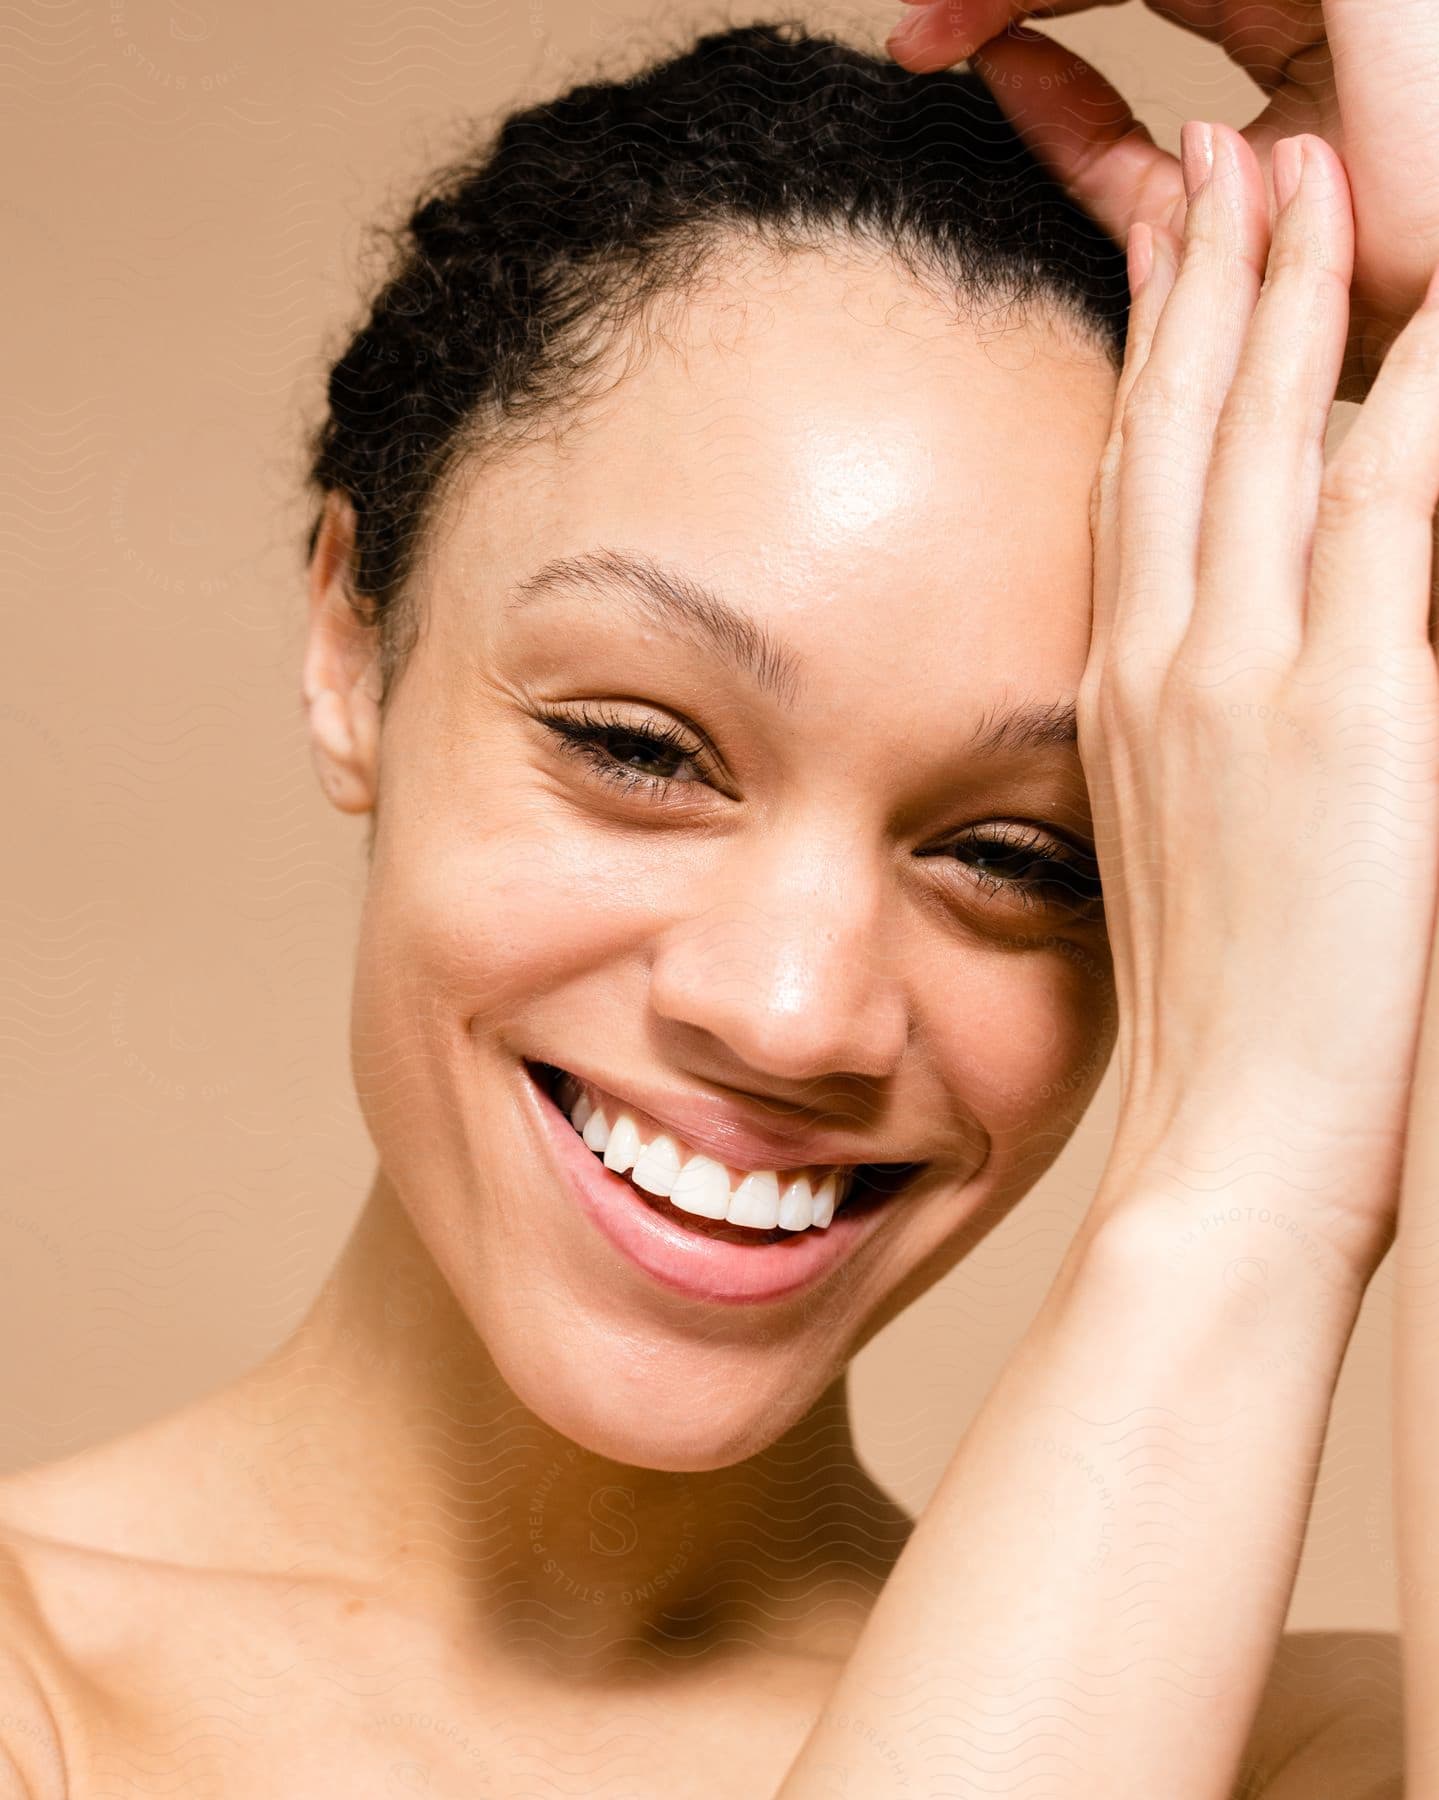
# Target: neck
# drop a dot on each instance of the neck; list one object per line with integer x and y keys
{"x": 425, "y": 1477}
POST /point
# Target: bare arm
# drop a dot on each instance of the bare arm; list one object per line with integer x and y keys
{"x": 12, "y": 1782}
{"x": 1090, "y": 1603}
{"x": 1416, "y": 1388}
{"x": 32, "y": 1760}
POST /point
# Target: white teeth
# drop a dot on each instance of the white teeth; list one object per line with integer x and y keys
{"x": 701, "y": 1187}
{"x": 623, "y": 1146}
{"x": 699, "y": 1184}
{"x": 756, "y": 1201}
{"x": 796, "y": 1205}
{"x": 657, "y": 1167}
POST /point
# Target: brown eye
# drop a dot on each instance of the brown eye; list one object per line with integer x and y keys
{"x": 648, "y": 758}
{"x": 633, "y": 748}
{"x": 1032, "y": 868}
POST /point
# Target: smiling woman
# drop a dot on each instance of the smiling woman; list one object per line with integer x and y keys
{"x": 748, "y": 686}
{"x": 702, "y": 607}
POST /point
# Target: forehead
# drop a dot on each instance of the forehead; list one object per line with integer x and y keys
{"x": 849, "y": 457}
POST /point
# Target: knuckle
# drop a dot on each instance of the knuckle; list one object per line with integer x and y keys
{"x": 1293, "y": 254}
{"x": 1258, "y": 406}
{"x": 1211, "y": 681}
{"x": 1301, "y": 279}
{"x": 1210, "y": 252}
{"x": 1415, "y": 352}
{"x": 1126, "y": 692}
{"x": 1110, "y": 715}
{"x": 1096, "y": 510}
{"x": 1161, "y": 402}
{"x": 1110, "y": 462}
{"x": 1203, "y": 712}
{"x": 1105, "y": 481}
{"x": 1357, "y": 480}
{"x": 1092, "y": 682}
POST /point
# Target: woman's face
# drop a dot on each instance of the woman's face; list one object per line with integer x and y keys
{"x": 833, "y": 546}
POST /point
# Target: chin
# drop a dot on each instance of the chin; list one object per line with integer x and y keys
{"x": 636, "y": 1421}
{"x": 591, "y": 1346}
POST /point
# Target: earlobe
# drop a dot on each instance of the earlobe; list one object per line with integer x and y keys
{"x": 339, "y": 682}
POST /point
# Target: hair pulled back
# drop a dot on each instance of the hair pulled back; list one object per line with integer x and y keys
{"x": 524, "y": 263}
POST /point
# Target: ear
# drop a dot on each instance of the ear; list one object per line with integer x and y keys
{"x": 340, "y": 681}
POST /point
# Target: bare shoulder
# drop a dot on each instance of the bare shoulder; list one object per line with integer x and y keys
{"x": 81, "y": 1587}
{"x": 1330, "y": 1725}
{"x": 32, "y": 1758}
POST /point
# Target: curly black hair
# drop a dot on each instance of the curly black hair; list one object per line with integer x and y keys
{"x": 527, "y": 261}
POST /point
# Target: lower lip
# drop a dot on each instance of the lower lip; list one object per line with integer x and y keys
{"x": 701, "y": 1268}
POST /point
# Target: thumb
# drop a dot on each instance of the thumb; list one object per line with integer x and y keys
{"x": 1082, "y": 129}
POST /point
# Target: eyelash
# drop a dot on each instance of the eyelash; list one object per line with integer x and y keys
{"x": 585, "y": 735}
{"x": 1071, "y": 880}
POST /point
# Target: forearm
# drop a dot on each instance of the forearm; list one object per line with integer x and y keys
{"x": 1416, "y": 1410}
{"x": 1091, "y": 1601}
{"x": 1434, "y": 586}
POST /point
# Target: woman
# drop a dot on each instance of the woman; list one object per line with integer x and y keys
{"x": 704, "y": 610}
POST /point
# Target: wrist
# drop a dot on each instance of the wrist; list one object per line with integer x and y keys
{"x": 1253, "y": 1158}
{"x": 1228, "y": 1268}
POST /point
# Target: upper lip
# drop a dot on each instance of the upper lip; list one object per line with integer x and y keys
{"x": 729, "y": 1132}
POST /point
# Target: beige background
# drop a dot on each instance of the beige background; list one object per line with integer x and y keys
{"x": 181, "y": 1154}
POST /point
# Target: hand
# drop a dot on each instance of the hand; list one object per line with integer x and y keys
{"x": 1259, "y": 715}
{"x": 1370, "y": 87}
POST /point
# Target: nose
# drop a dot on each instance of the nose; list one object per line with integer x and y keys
{"x": 788, "y": 960}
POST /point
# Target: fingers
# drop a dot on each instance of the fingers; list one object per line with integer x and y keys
{"x": 1154, "y": 256}
{"x": 1073, "y": 120}
{"x": 1153, "y": 265}
{"x": 1082, "y": 129}
{"x": 1268, "y": 459}
{"x": 1267, "y": 41}
{"x": 1174, "y": 405}
{"x": 954, "y": 29}
{"x": 1080, "y": 126}
{"x": 1369, "y": 584}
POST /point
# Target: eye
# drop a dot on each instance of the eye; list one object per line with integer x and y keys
{"x": 1029, "y": 866}
{"x": 636, "y": 758}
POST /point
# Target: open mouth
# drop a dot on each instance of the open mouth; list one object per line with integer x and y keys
{"x": 862, "y": 1189}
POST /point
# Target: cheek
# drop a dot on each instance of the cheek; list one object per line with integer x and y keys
{"x": 1026, "y": 1043}
{"x": 463, "y": 936}
{"x": 465, "y": 930}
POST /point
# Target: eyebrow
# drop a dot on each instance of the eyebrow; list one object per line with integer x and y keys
{"x": 1035, "y": 725}
{"x": 672, "y": 600}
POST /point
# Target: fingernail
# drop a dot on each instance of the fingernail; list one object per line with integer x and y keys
{"x": 1196, "y": 154}
{"x": 1140, "y": 249}
{"x": 1286, "y": 166}
{"x": 923, "y": 36}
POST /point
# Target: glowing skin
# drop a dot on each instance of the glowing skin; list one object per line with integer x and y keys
{"x": 860, "y": 475}
{"x": 498, "y": 1454}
